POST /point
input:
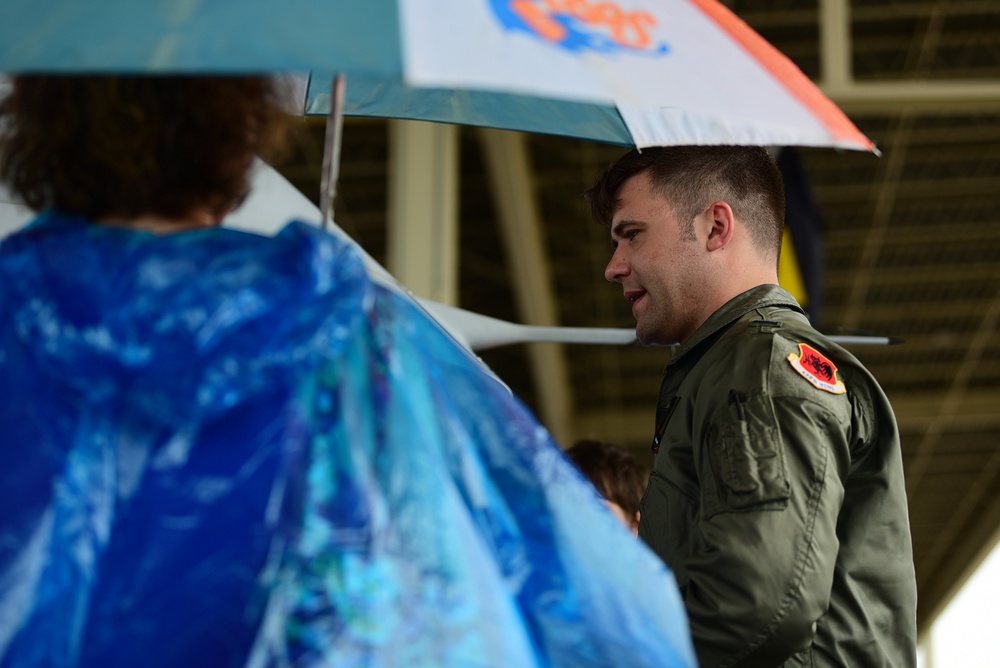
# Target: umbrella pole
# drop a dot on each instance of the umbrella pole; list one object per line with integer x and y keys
{"x": 331, "y": 149}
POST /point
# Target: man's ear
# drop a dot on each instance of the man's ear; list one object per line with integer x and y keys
{"x": 722, "y": 226}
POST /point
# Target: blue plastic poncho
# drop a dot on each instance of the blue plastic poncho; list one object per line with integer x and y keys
{"x": 221, "y": 449}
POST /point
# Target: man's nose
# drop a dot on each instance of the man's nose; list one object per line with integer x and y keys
{"x": 617, "y": 268}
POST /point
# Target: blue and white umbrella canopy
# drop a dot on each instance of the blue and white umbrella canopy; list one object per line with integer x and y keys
{"x": 634, "y": 72}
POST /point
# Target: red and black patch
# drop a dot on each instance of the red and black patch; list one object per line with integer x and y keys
{"x": 817, "y": 369}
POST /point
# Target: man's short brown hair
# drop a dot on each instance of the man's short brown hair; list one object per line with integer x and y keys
{"x": 693, "y": 177}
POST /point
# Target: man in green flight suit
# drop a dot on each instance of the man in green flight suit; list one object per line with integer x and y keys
{"x": 777, "y": 492}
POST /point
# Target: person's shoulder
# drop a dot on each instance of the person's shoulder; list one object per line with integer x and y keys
{"x": 787, "y": 357}
{"x": 808, "y": 365}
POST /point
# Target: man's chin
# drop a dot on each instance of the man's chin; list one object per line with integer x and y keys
{"x": 651, "y": 336}
{"x": 646, "y": 337}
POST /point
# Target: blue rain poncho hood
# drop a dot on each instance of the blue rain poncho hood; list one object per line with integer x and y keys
{"x": 222, "y": 449}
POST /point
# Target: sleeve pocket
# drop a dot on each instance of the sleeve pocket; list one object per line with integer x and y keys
{"x": 746, "y": 453}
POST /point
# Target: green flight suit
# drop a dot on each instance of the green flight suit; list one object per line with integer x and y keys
{"x": 777, "y": 495}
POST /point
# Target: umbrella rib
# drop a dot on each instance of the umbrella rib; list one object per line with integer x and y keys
{"x": 331, "y": 149}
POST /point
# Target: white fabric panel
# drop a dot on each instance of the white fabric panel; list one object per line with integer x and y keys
{"x": 726, "y": 94}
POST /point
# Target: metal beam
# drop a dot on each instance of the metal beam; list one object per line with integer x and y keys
{"x": 510, "y": 174}
{"x": 958, "y": 232}
{"x": 762, "y": 19}
{"x": 835, "y": 42}
{"x": 910, "y": 189}
{"x": 917, "y": 97}
{"x": 422, "y": 244}
{"x": 944, "y": 309}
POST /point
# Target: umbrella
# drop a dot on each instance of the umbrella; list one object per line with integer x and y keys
{"x": 636, "y": 72}
{"x": 631, "y": 72}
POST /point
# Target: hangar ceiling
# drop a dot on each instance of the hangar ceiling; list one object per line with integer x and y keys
{"x": 912, "y": 244}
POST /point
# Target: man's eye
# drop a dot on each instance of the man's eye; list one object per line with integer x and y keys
{"x": 631, "y": 234}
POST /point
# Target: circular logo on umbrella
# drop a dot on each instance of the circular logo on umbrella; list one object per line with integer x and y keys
{"x": 582, "y": 25}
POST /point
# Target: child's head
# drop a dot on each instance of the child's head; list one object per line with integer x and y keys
{"x": 617, "y": 475}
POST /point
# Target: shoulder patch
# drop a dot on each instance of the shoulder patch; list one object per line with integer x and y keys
{"x": 817, "y": 369}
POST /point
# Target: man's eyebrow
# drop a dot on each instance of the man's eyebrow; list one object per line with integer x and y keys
{"x": 618, "y": 228}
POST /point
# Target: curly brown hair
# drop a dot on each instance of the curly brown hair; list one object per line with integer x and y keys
{"x": 128, "y": 146}
{"x": 614, "y": 472}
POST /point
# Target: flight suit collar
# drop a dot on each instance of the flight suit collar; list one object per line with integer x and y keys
{"x": 733, "y": 310}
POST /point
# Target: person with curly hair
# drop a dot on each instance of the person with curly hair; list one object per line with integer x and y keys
{"x": 617, "y": 476}
{"x": 155, "y": 154}
{"x": 226, "y": 449}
